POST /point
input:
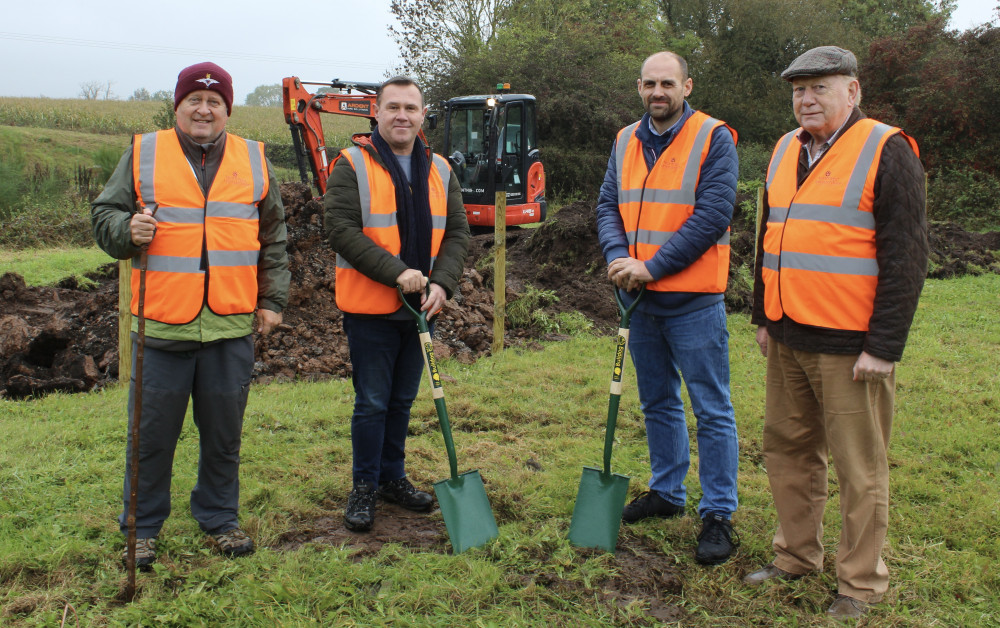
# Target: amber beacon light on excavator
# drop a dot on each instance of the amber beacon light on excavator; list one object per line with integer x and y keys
{"x": 491, "y": 142}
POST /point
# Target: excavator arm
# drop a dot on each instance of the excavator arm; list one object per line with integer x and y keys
{"x": 303, "y": 110}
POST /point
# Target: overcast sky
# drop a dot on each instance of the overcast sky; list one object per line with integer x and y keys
{"x": 50, "y": 47}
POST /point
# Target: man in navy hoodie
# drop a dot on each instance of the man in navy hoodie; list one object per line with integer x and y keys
{"x": 663, "y": 222}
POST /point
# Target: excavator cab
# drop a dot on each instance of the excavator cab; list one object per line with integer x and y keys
{"x": 491, "y": 142}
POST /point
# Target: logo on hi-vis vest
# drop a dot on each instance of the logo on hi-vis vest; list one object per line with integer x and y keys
{"x": 829, "y": 179}
{"x": 208, "y": 81}
{"x": 362, "y": 107}
{"x": 235, "y": 178}
{"x": 669, "y": 164}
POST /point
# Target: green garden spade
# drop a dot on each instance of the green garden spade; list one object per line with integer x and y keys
{"x": 601, "y": 498}
{"x": 462, "y": 497}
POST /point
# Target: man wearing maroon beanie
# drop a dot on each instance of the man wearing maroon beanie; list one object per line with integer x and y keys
{"x": 216, "y": 259}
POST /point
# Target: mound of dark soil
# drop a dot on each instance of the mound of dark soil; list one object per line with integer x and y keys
{"x": 66, "y": 337}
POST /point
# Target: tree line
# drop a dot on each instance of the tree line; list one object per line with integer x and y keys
{"x": 581, "y": 59}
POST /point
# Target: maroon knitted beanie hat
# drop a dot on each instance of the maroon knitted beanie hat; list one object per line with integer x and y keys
{"x": 204, "y": 75}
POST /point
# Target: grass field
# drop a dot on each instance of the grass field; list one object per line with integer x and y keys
{"x": 62, "y": 458}
{"x": 125, "y": 118}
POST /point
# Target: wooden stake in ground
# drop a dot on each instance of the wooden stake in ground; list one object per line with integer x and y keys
{"x": 499, "y": 270}
{"x": 136, "y": 421}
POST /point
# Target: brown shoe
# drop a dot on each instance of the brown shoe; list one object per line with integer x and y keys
{"x": 233, "y": 542}
{"x": 846, "y": 607}
{"x": 769, "y": 572}
{"x": 145, "y": 554}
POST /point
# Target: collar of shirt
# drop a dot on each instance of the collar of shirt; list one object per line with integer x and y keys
{"x": 807, "y": 141}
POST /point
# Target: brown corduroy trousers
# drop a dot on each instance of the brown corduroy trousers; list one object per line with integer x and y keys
{"x": 814, "y": 408}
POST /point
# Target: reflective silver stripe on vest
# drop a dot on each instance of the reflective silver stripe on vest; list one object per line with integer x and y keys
{"x": 777, "y": 214}
{"x": 377, "y": 221}
{"x": 441, "y": 167}
{"x": 438, "y": 222}
{"x": 779, "y": 154}
{"x": 180, "y": 215}
{"x": 173, "y": 264}
{"x": 651, "y": 195}
{"x": 233, "y": 258}
{"x": 364, "y": 189}
{"x": 847, "y": 215}
{"x": 831, "y": 264}
{"x": 770, "y": 261}
{"x": 693, "y": 167}
{"x": 257, "y": 168}
{"x": 147, "y": 161}
{"x": 620, "y": 149}
{"x": 659, "y": 238}
{"x": 856, "y": 184}
{"x": 220, "y": 209}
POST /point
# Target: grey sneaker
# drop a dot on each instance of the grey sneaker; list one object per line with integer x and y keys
{"x": 233, "y": 542}
{"x": 145, "y": 554}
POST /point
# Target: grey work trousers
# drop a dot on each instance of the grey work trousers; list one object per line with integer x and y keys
{"x": 217, "y": 379}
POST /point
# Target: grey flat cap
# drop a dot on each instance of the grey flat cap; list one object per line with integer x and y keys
{"x": 822, "y": 61}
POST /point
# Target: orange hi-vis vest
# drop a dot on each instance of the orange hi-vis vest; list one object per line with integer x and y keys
{"x": 655, "y": 203}
{"x": 356, "y": 292}
{"x": 819, "y": 265}
{"x": 226, "y": 224}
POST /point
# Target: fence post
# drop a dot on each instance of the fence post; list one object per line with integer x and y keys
{"x": 124, "y": 320}
{"x": 760, "y": 210}
{"x": 499, "y": 270}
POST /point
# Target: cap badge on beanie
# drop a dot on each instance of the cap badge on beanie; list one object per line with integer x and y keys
{"x": 208, "y": 81}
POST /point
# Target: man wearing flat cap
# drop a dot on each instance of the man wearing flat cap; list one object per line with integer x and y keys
{"x": 841, "y": 260}
{"x": 206, "y": 206}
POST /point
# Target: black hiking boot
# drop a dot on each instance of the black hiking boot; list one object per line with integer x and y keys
{"x": 403, "y": 493}
{"x": 650, "y": 504}
{"x": 360, "y": 512}
{"x": 715, "y": 542}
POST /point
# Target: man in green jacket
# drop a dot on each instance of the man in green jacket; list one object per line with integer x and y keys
{"x": 207, "y": 206}
{"x": 395, "y": 217}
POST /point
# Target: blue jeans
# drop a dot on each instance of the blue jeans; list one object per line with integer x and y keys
{"x": 386, "y": 363}
{"x": 697, "y": 345}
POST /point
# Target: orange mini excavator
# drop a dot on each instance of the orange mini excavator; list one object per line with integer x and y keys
{"x": 491, "y": 142}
